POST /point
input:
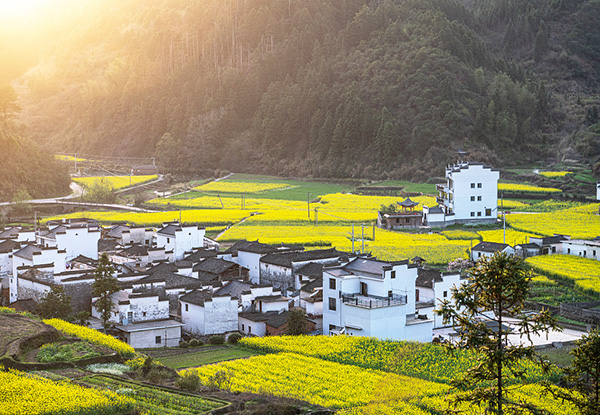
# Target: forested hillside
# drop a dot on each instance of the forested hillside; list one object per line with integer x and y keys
{"x": 310, "y": 87}
{"x": 26, "y": 170}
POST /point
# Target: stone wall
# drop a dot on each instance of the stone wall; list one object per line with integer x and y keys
{"x": 581, "y": 312}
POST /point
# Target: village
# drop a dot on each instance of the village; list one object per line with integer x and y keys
{"x": 176, "y": 284}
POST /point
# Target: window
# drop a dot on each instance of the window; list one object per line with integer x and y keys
{"x": 332, "y": 283}
{"x": 488, "y": 212}
{"x": 445, "y": 294}
{"x": 478, "y": 254}
{"x": 158, "y": 339}
{"x": 393, "y": 274}
{"x": 390, "y": 293}
{"x": 472, "y": 185}
{"x": 472, "y": 198}
{"x": 593, "y": 251}
{"x": 568, "y": 250}
{"x": 479, "y": 185}
{"x": 332, "y": 304}
{"x": 144, "y": 314}
{"x": 187, "y": 307}
{"x": 478, "y": 213}
{"x": 242, "y": 327}
{"x": 168, "y": 240}
{"x": 479, "y": 198}
{"x": 472, "y": 213}
{"x": 249, "y": 329}
{"x": 554, "y": 250}
{"x": 332, "y": 327}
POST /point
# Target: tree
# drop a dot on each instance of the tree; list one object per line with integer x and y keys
{"x": 100, "y": 192}
{"x": 296, "y": 323}
{"x": 55, "y": 303}
{"x": 583, "y": 375}
{"x": 8, "y": 102}
{"x": 499, "y": 284}
{"x": 105, "y": 284}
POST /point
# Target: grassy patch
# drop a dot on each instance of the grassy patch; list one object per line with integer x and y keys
{"x": 200, "y": 357}
{"x": 559, "y": 357}
{"x": 425, "y": 188}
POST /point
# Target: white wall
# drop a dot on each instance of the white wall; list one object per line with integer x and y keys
{"x": 251, "y": 261}
{"x": 475, "y": 255}
{"x": 190, "y": 236}
{"x": 443, "y": 291}
{"x": 170, "y": 337}
{"x": 79, "y": 241}
{"x": 252, "y": 327}
{"x": 581, "y": 248}
{"x": 217, "y": 316}
{"x": 272, "y": 306}
{"x": 473, "y": 189}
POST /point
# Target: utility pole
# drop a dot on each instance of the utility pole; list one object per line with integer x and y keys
{"x": 373, "y": 231}
{"x": 503, "y": 218}
{"x": 316, "y": 216}
{"x": 363, "y": 238}
{"x": 353, "y": 238}
{"x": 308, "y": 204}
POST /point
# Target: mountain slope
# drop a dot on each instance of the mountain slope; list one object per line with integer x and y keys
{"x": 335, "y": 88}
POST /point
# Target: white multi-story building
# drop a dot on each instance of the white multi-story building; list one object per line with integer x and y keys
{"x": 470, "y": 195}
{"x": 180, "y": 238}
{"x": 582, "y": 248}
{"x": 203, "y": 312}
{"x": 367, "y": 297}
{"x": 75, "y": 240}
{"x": 433, "y": 288}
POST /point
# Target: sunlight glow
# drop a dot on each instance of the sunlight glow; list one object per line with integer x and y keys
{"x": 18, "y": 8}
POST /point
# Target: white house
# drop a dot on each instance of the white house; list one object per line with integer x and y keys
{"x": 582, "y": 248}
{"x": 203, "y": 312}
{"x": 247, "y": 254}
{"x": 470, "y": 195}
{"x": 368, "y": 297}
{"x": 488, "y": 249}
{"x": 180, "y": 238}
{"x": 550, "y": 244}
{"x": 31, "y": 256}
{"x": 75, "y": 240}
{"x": 433, "y": 288}
{"x": 162, "y": 333}
{"x": 18, "y": 234}
{"x": 127, "y": 235}
{"x": 597, "y": 191}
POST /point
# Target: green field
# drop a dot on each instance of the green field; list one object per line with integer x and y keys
{"x": 200, "y": 356}
{"x": 298, "y": 190}
{"x": 425, "y": 188}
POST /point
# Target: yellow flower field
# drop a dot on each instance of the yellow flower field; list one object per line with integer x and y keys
{"x": 460, "y": 234}
{"x": 208, "y": 217}
{"x": 513, "y": 237}
{"x": 67, "y": 158}
{"x": 214, "y": 202}
{"x": 240, "y": 187}
{"x": 580, "y": 222}
{"x": 388, "y": 245}
{"x": 22, "y": 394}
{"x": 115, "y": 182}
{"x": 317, "y": 381}
{"x": 526, "y": 188}
{"x": 584, "y": 272}
{"x": 554, "y": 174}
{"x": 91, "y": 335}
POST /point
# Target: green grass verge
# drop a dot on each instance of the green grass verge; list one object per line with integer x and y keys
{"x": 559, "y": 357}
{"x": 202, "y": 357}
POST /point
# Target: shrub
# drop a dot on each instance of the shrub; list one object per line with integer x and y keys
{"x": 195, "y": 343}
{"x": 158, "y": 375}
{"x": 234, "y": 338}
{"x": 216, "y": 339}
{"x": 189, "y": 382}
{"x": 221, "y": 379}
{"x": 183, "y": 344}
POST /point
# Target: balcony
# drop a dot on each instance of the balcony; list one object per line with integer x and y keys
{"x": 439, "y": 200}
{"x": 373, "y": 301}
{"x": 441, "y": 187}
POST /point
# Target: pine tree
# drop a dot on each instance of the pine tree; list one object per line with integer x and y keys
{"x": 499, "y": 284}
{"x": 105, "y": 284}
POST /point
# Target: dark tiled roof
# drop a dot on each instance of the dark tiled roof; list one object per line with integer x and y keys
{"x": 135, "y": 250}
{"x": 426, "y": 277}
{"x": 366, "y": 265}
{"x": 278, "y": 319}
{"x": 234, "y": 288}
{"x": 435, "y": 209}
{"x": 271, "y": 298}
{"x": 255, "y": 316}
{"x": 286, "y": 259}
{"x": 553, "y": 239}
{"x": 116, "y": 231}
{"x": 214, "y": 266}
{"x": 201, "y": 254}
{"x": 196, "y": 297}
{"x": 529, "y": 246}
{"x": 8, "y": 245}
{"x": 407, "y": 203}
{"x": 105, "y": 245}
{"x": 260, "y": 248}
{"x": 312, "y": 269}
{"x": 170, "y": 229}
{"x": 163, "y": 267}
{"x": 171, "y": 280}
{"x": 9, "y": 233}
{"x": 311, "y": 286}
{"x": 28, "y": 251}
{"x": 85, "y": 260}
{"x": 490, "y": 247}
